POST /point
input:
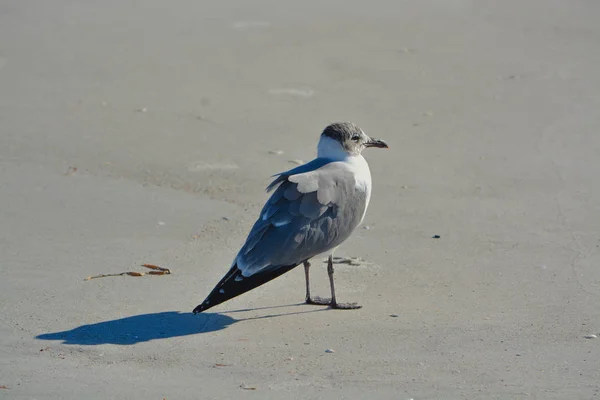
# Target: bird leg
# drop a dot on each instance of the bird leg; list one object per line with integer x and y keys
{"x": 312, "y": 300}
{"x": 334, "y": 303}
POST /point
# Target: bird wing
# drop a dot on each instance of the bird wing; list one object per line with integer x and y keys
{"x": 313, "y": 209}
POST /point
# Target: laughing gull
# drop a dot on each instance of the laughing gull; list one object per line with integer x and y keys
{"x": 314, "y": 208}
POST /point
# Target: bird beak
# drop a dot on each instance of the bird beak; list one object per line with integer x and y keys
{"x": 376, "y": 143}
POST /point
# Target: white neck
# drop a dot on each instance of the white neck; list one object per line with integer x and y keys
{"x": 332, "y": 149}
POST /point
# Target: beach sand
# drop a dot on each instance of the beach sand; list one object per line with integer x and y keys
{"x": 137, "y": 132}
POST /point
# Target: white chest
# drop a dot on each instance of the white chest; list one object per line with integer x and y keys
{"x": 362, "y": 176}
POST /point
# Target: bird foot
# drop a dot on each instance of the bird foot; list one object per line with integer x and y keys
{"x": 318, "y": 301}
{"x": 354, "y": 261}
{"x": 346, "y": 306}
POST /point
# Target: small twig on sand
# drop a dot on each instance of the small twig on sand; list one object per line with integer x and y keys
{"x": 155, "y": 271}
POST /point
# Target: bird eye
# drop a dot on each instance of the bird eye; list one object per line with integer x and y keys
{"x": 355, "y": 138}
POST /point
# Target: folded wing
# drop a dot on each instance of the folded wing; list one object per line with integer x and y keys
{"x": 301, "y": 218}
{"x": 313, "y": 209}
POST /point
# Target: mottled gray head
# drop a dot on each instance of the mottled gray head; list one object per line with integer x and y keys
{"x": 351, "y": 137}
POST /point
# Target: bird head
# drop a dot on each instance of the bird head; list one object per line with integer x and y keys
{"x": 343, "y": 139}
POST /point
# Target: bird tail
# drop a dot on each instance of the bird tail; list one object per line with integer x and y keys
{"x": 234, "y": 283}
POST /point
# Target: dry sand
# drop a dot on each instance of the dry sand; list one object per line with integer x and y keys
{"x": 173, "y": 114}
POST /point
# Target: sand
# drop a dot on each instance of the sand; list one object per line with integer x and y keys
{"x": 146, "y": 131}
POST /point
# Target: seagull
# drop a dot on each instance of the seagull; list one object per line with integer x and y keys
{"x": 313, "y": 209}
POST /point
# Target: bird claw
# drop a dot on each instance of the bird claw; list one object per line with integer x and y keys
{"x": 354, "y": 261}
{"x": 318, "y": 301}
{"x": 346, "y": 306}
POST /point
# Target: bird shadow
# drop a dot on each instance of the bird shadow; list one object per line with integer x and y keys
{"x": 142, "y": 328}
{"x": 267, "y": 308}
{"x": 146, "y": 327}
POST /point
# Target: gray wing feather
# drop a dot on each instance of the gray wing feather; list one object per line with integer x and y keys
{"x": 307, "y": 182}
{"x": 310, "y": 212}
{"x": 254, "y": 238}
{"x": 281, "y": 218}
{"x": 292, "y": 193}
{"x": 271, "y": 210}
{"x": 294, "y": 208}
{"x": 310, "y": 207}
{"x": 276, "y": 196}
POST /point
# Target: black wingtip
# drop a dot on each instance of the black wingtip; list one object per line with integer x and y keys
{"x": 200, "y": 308}
{"x": 234, "y": 284}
